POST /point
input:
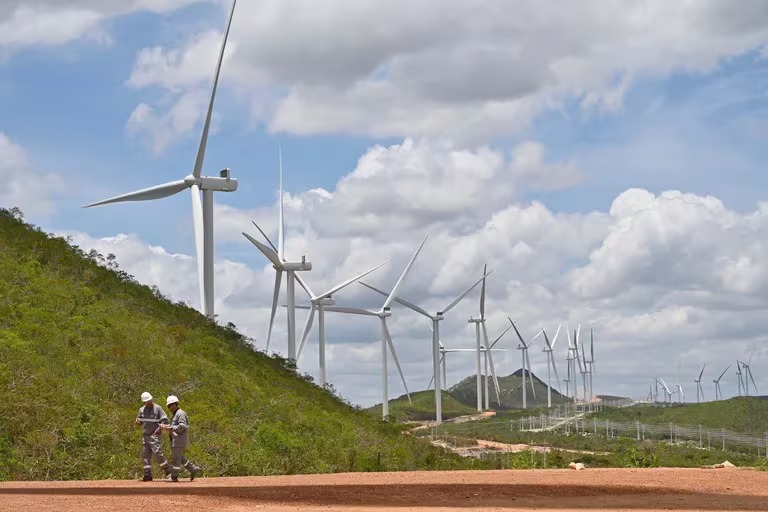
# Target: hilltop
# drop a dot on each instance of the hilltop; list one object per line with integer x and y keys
{"x": 423, "y": 407}
{"x": 81, "y": 339}
{"x": 511, "y": 392}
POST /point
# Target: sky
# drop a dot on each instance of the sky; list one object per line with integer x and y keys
{"x": 605, "y": 159}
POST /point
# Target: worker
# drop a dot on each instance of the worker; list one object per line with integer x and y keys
{"x": 151, "y": 418}
{"x": 179, "y": 428}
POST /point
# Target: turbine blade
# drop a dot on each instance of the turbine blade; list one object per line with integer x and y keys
{"x": 516, "y": 331}
{"x": 554, "y": 340}
{"x": 749, "y": 372}
{"x": 482, "y": 293}
{"x": 197, "y": 220}
{"x": 546, "y": 340}
{"x": 266, "y": 251}
{"x": 303, "y": 284}
{"x": 464, "y": 293}
{"x": 721, "y": 375}
{"x": 500, "y": 336}
{"x": 702, "y": 371}
{"x": 399, "y": 282}
{"x": 349, "y": 281}
{"x": 591, "y": 347}
{"x": 495, "y": 379}
{"x": 554, "y": 369}
{"x": 265, "y": 236}
{"x": 394, "y": 356}
{"x": 352, "y": 311}
{"x": 530, "y": 373}
{"x": 146, "y": 194}
{"x": 275, "y": 295}
{"x": 206, "y": 127}
{"x": 403, "y": 302}
{"x": 307, "y": 327}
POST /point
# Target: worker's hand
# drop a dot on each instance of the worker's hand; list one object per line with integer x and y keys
{"x": 137, "y": 422}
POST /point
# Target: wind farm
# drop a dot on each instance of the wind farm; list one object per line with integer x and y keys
{"x": 460, "y": 257}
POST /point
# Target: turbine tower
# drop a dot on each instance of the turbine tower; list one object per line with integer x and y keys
{"x": 699, "y": 389}
{"x": 551, "y": 364}
{"x": 435, "y": 336}
{"x": 523, "y": 347}
{"x": 202, "y": 209}
{"x": 718, "y": 393}
{"x": 386, "y": 339}
{"x": 748, "y": 376}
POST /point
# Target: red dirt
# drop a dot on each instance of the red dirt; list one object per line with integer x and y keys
{"x": 551, "y": 490}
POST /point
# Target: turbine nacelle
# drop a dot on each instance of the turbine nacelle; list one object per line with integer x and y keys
{"x": 297, "y": 266}
{"x": 220, "y": 184}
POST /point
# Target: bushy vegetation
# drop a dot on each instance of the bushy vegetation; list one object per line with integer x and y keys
{"x": 80, "y": 339}
{"x": 740, "y": 414}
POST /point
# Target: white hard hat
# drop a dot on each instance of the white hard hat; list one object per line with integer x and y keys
{"x": 171, "y": 400}
{"x": 146, "y": 397}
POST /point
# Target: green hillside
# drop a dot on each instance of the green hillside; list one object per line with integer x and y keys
{"x": 79, "y": 342}
{"x": 742, "y": 414}
{"x": 423, "y": 407}
{"x": 511, "y": 395}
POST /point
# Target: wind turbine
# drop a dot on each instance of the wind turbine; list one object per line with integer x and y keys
{"x": 435, "y": 336}
{"x": 277, "y": 256}
{"x": 386, "y": 339}
{"x": 319, "y": 303}
{"x": 748, "y": 373}
{"x": 738, "y": 373}
{"x": 591, "y": 361}
{"x": 202, "y": 210}
{"x": 699, "y": 389}
{"x": 718, "y": 393}
{"x": 526, "y": 361}
{"x": 680, "y": 394}
{"x": 551, "y": 364}
{"x": 444, "y": 351}
{"x": 667, "y": 393}
{"x": 481, "y": 322}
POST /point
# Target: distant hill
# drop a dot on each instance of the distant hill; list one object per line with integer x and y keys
{"x": 80, "y": 340}
{"x": 423, "y": 407}
{"x": 740, "y": 414}
{"x": 511, "y": 392}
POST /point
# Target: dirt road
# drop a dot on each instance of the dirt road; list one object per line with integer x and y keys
{"x": 551, "y": 490}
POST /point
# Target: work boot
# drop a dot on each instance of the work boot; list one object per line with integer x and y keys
{"x": 193, "y": 473}
{"x": 171, "y": 478}
{"x": 147, "y": 478}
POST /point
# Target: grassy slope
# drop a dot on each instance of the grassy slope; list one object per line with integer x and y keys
{"x": 80, "y": 342}
{"x": 423, "y": 407}
{"x": 745, "y": 414}
{"x": 511, "y": 393}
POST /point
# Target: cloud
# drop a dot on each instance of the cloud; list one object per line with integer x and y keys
{"x": 663, "y": 279}
{"x": 21, "y": 184}
{"x": 25, "y": 23}
{"x": 455, "y": 70}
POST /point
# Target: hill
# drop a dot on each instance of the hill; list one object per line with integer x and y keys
{"x": 511, "y": 393}
{"x": 741, "y": 414}
{"x": 423, "y": 407}
{"x": 81, "y": 339}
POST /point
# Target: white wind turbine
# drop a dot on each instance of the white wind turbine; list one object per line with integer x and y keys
{"x": 699, "y": 389}
{"x": 481, "y": 322}
{"x": 667, "y": 393}
{"x": 718, "y": 393}
{"x": 526, "y": 361}
{"x": 319, "y": 303}
{"x": 202, "y": 210}
{"x": 680, "y": 394}
{"x": 276, "y": 255}
{"x": 435, "y": 336}
{"x": 551, "y": 364}
{"x": 748, "y": 373}
{"x": 386, "y": 339}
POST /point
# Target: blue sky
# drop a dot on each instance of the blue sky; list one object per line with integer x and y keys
{"x": 693, "y": 119}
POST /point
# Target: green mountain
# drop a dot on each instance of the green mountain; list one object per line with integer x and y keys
{"x": 741, "y": 414}
{"x": 511, "y": 396}
{"x": 80, "y": 340}
{"x": 423, "y": 407}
